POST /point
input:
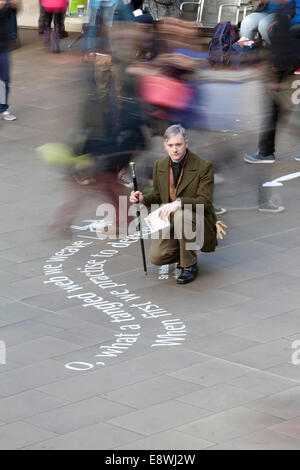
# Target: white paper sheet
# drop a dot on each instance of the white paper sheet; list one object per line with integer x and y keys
{"x": 155, "y": 223}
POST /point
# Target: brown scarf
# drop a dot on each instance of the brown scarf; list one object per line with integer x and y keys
{"x": 173, "y": 189}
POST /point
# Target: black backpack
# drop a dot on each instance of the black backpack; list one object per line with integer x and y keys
{"x": 225, "y": 34}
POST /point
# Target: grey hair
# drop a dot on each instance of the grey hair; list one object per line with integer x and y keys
{"x": 174, "y": 130}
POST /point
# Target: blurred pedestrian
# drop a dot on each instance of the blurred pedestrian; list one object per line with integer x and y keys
{"x": 295, "y": 34}
{"x": 54, "y": 11}
{"x": 13, "y": 26}
{"x": 5, "y": 12}
{"x": 281, "y": 62}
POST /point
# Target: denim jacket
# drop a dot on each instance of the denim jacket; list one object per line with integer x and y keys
{"x": 283, "y": 9}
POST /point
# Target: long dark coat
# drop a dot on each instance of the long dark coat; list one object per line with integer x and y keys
{"x": 196, "y": 187}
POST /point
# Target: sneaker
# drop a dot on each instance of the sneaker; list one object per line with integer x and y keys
{"x": 271, "y": 207}
{"x": 297, "y": 72}
{"x": 297, "y": 158}
{"x": 258, "y": 158}
{"x": 220, "y": 210}
{"x": 7, "y": 116}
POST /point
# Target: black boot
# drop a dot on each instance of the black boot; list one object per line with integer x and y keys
{"x": 188, "y": 274}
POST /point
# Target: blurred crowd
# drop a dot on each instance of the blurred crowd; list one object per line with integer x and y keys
{"x": 146, "y": 68}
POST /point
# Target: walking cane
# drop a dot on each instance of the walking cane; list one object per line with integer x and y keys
{"x": 138, "y": 213}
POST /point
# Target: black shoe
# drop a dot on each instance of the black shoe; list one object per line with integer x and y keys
{"x": 188, "y": 274}
{"x": 64, "y": 34}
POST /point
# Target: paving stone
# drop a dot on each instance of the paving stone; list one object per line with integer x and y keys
{"x": 15, "y": 312}
{"x": 73, "y": 388}
{"x": 162, "y": 389}
{"x": 227, "y": 318}
{"x": 244, "y": 252}
{"x": 286, "y": 370}
{"x": 40, "y": 349}
{"x": 127, "y": 372}
{"x": 32, "y": 376}
{"x": 264, "y": 439}
{"x": 158, "y": 418}
{"x": 97, "y": 437}
{"x": 267, "y": 307}
{"x": 72, "y": 417}
{"x": 264, "y": 285}
{"x": 17, "y": 435}
{"x": 285, "y": 404}
{"x": 266, "y": 330}
{"x": 58, "y": 302}
{"x": 26, "y": 330}
{"x": 262, "y": 382}
{"x": 168, "y": 440}
{"x": 228, "y": 425}
{"x": 23, "y": 405}
{"x": 87, "y": 335}
{"x": 218, "y": 345}
{"x": 211, "y": 372}
{"x": 290, "y": 427}
{"x": 220, "y": 397}
{"x": 263, "y": 356}
{"x": 283, "y": 262}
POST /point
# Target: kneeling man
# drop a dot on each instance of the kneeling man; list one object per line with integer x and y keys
{"x": 181, "y": 182}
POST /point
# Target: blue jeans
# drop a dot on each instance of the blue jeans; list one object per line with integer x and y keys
{"x": 4, "y": 80}
{"x": 257, "y": 22}
{"x": 295, "y": 38}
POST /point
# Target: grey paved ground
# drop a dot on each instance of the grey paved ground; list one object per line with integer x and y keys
{"x": 228, "y": 383}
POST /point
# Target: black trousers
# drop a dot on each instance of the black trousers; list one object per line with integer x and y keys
{"x": 266, "y": 143}
{"x": 58, "y": 19}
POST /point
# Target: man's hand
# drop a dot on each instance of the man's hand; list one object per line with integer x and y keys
{"x": 169, "y": 209}
{"x": 220, "y": 226}
{"x": 136, "y": 196}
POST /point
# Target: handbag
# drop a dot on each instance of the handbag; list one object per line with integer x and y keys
{"x": 165, "y": 91}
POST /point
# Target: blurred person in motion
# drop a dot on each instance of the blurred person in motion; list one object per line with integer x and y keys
{"x": 54, "y": 10}
{"x": 13, "y": 26}
{"x": 5, "y": 16}
{"x": 280, "y": 63}
{"x": 179, "y": 179}
{"x": 295, "y": 34}
{"x": 110, "y": 123}
{"x": 42, "y": 22}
